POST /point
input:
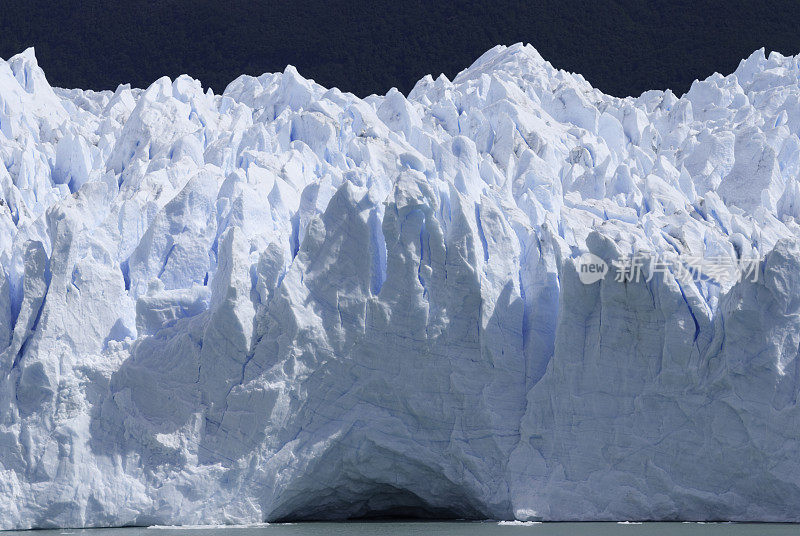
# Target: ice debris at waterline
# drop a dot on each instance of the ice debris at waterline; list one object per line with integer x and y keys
{"x": 285, "y": 302}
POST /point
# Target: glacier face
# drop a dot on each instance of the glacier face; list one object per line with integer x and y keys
{"x": 288, "y": 302}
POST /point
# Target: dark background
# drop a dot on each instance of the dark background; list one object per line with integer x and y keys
{"x": 622, "y": 47}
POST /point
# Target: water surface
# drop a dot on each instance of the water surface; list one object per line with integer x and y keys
{"x": 395, "y": 528}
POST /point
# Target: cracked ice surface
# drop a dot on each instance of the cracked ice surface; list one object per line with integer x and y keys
{"x": 288, "y": 302}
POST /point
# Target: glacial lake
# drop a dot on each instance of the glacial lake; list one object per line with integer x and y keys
{"x": 413, "y": 528}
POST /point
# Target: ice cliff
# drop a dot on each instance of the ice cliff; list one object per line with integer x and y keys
{"x": 286, "y": 302}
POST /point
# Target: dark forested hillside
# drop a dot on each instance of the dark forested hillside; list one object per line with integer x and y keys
{"x": 623, "y": 47}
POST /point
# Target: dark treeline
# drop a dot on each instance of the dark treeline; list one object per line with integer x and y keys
{"x": 623, "y": 47}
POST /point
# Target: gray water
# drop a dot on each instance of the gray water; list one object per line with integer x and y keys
{"x": 444, "y": 529}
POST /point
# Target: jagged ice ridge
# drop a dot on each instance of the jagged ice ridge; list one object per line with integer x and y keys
{"x": 286, "y": 302}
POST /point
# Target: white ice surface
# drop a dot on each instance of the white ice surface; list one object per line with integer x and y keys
{"x": 286, "y": 302}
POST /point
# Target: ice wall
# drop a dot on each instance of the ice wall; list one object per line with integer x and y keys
{"x": 285, "y": 302}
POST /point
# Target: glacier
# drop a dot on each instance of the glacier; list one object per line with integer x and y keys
{"x": 286, "y": 302}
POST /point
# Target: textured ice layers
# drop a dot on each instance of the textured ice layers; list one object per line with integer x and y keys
{"x": 288, "y": 302}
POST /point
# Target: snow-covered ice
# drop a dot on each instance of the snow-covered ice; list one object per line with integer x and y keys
{"x": 285, "y": 302}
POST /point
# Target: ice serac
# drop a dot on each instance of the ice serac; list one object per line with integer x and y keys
{"x": 286, "y": 302}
